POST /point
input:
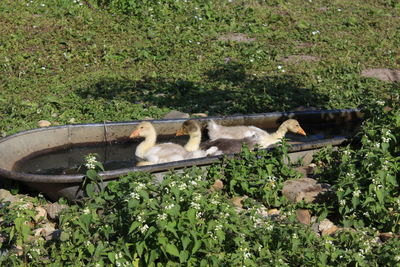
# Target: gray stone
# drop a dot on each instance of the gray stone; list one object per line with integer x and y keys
{"x": 306, "y": 189}
{"x": 174, "y": 114}
{"x": 299, "y": 58}
{"x": 53, "y": 210}
{"x": 303, "y": 216}
{"x": 386, "y": 75}
{"x": 6, "y": 196}
{"x": 324, "y": 225}
{"x": 236, "y": 37}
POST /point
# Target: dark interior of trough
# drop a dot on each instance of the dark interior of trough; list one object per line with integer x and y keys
{"x": 121, "y": 154}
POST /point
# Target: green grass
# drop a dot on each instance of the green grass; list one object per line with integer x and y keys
{"x": 62, "y": 60}
{"x": 115, "y": 60}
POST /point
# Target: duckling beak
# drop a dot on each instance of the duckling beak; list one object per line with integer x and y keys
{"x": 135, "y": 133}
{"x": 180, "y": 132}
{"x": 301, "y": 131}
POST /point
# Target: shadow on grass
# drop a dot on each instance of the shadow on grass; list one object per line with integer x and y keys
{"x": 227, "y": 89}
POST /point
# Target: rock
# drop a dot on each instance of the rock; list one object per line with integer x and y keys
{"x": 315, "y": 227}
{"x": 385, "y": 236}
{"x": 299, "y": 58}
{"x": 237, "y": 201}
{"x": 236, "y": 37}
{"x": 330, "y": 231}
{"x": 325, "y": 224}
{"x": 6, "y": 196}
{"x": 44, "y": 123}
{"x": 54, "y": 209}
{"x": 48, "y": 228}
{"x": 17, "y": 250}
{"x": 306, "y": 189}
{"x": 41, "y": 214}
{"x": 217, "y": 186}
{"x": 273, "y": 212}
{"x": 262, "y": 211}
{"x": 174, "y": 114}
{"x": 386, "y": 75}
{"x": 303, "y": 216}
{"x": 199, "y": 115}
{"x": 55, "y": 235}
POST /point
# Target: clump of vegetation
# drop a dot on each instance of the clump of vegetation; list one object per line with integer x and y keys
{"x": 366, "y": 173}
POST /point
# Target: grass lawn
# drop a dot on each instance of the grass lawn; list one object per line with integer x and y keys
{"x": 62, "y": 60}
{"x": 74, "y": 61}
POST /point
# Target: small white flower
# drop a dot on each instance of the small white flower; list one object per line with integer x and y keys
{"x": 162, "y": 216}
{"x": 134, "y": 195}
{"x": 218, "y": 227}
{"x": 357, "y": 193}
{"x": 140, "y": 186}
{"x": 182, "y": 186}
{"x": 170, "y": 206}
{"x": 144, "y": 228}
{"x": 294, "y": 236}
{"x": 279, "y": 67}
{"x": 43, "y": 68}
{"x": 397, "y": 258}
{"x": 339, "y": 9}
{"x": 315, "y": 32}
{"x": 86, "y": 211}
{"x": 246, "y": 255}
{"x": 195, "y": 205}
{"x": 199, "y": 215}
{"x": 380, "y": 102}
{"x": 340, "y": 189}
{"x": 42, "y": 4}
{"x": 214, "y": 201}
{"x": 251, "y": 60}
{"x": 342, "y": 202}
{"x": 197, "y": 197}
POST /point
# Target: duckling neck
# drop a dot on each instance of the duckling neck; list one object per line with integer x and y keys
{"x": 282, "y": 130}
{"x": 194, "y": 142}
{"x": 144, "y": 146}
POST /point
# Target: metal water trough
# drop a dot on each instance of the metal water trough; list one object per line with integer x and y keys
{"x": 25, "y": 144}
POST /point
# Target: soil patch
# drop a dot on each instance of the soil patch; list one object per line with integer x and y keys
{"x": 386, "y": 75}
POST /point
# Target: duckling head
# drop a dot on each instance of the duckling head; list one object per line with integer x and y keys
{"x": 143, "y": 129}
{"x": 189, "y": 127}
{"x": 294, "y": 126}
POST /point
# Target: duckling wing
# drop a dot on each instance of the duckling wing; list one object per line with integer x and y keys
{"x": 226, "y": 146}
{"x": 165, "y": 153}
{"x": 216, "y": 131}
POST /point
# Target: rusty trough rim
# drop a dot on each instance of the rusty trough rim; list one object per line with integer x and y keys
{"x": 108, "y": 175}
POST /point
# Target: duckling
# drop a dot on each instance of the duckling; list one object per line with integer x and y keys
{"x": 289, "y": 125}
{"x": 193, "y": 129}
{"x": 264, "y": 139}
{"x": 212, "y": 148}
{"x": 216, "y": 131}
{"x": 229, "y": 146}
{"x": 154, "y": 153}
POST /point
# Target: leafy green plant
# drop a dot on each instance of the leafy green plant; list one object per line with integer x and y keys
{"x": 366, "y": 173}
{"x": 259, "y": 175}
